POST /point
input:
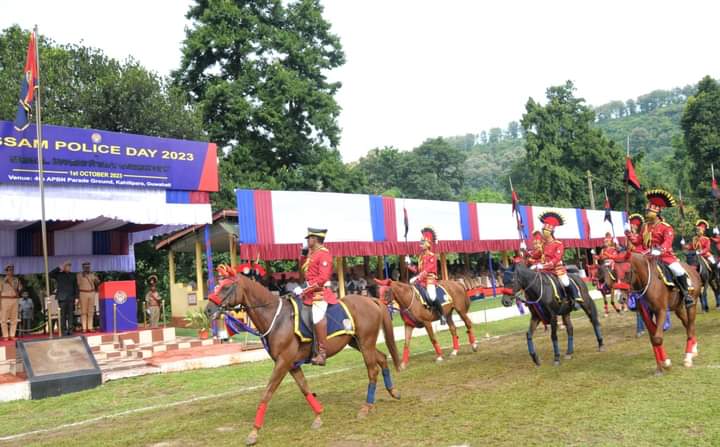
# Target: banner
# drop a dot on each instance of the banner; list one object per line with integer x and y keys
{"x": 75, "y": 156}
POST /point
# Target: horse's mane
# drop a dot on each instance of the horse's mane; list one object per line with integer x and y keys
{"x": 254, "y": 288}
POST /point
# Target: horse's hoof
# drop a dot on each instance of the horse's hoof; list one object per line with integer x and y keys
{"x": 556, "y": 362}
{"x": 364, "y": 411}
{"x": 475, "y": 346}
{"x": 568, "y": 356}
{"x": 403, "y": 367}
{"x": 640, "y": 334}
{"x": 252, "y": 437}
{"x": 659, "y": 372}
{"x": 667, "y": 364}
{"x": 395, "y": 394}
{"x": 688, "y": 361}
{"x": 453, "y": 353}
{"x": 601, "y": 348}
{"x": 439, "y": 360}
{"x": 317, "y": 423}
{"x": 607, "y": 314}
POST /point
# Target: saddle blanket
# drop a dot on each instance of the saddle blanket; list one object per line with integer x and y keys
{"x": 339, "y": 320}
{"x": 440, "y": 294}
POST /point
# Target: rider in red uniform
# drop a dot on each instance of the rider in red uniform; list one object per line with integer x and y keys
{"x": 317, "y": 265}
{"x": 553, "y": 251}
{"x": 427, "y": 270}
{"x": 701, "y": 243}
{"x": 609, "y": 251}
{"x": 535, "y": 254}
{"x": 658, "y": 239}
{"x": 633, "y": 235}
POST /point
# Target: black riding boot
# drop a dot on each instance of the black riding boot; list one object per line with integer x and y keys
{"x": 682, "y": 282}
{"x": 439, "y": 309}
{"x": 571, "y": 294}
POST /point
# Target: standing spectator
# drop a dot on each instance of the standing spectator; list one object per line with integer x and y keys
{"x": 9, "y": 295}
{"x": 67, "y": 293}
{"x": 87, "y": 283}
{"x": 153, "y": 301}
{"x": 27, "y": 309}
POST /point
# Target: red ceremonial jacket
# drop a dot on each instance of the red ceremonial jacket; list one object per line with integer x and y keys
{"x": 427, "y": 268}
{"x": 702, "y": 245}
{"x": 660, "y": 236}
{"x": 635, "y": 242}
{"x": 318, "y": 269}
{"x": 716, "y": 239}
{"x": 610, "y": 254}
{"x": 535, "y": 254}
{"x": 553, "y": 257}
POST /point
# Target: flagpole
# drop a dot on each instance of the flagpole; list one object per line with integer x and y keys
{"x": 607, "y": 202}
{"x": 41, "y": 172}
{"x": 714, "y": 202}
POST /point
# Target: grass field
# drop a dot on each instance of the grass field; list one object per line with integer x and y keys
{"x": 492, "y": 397}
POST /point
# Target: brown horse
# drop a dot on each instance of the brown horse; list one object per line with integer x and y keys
{"x": 615, "y": 278}
{"x": 660, "y": 297}
{"x": 414, "y": 310}
{"x": 273, "y": 317}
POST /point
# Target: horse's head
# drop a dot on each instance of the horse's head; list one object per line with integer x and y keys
{"x": 226, "y": 294}
{"x": 384, "y": 290}
{"x": 522, "y": 278}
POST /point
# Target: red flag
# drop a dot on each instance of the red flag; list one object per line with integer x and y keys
{"x": 515, "y": 201}
{"x": 608, "y": 215}
{"x": 715, "y": 190}
{"x": 28, "y": 85}
{"x": 630, "y": 176}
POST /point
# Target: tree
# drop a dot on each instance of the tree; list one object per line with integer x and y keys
{"x": 561, "y": 145}
{"x": 513, "y": 130}
{"x": 483, "y": 137}
{"x": 701, "y": 130}
{"x": 258, "y": 71}
{"x": 495, "y": 135}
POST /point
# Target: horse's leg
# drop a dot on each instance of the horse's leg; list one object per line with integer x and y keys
{"x": 282, "y": 366}
{"x": 534, "y": 321}
{"x": 370, "y": 355}
{"x": 639, "y": 325}
{"x": 703, "y": 299}
{"x": 406, "y": 347}
{"x": 387, "y": 378}
{"x": 590, "y": 310}
{"x": 651, "y": 328}
{"x": 688, "y": 320}
{"x": 605, "y": 303}
{"x": 469, "y": 327}
{"x": 453, "y": 332}
{"x": 554, "y": 338}
{"x": 434, "y": 341}
{"x": 659, "y": 335}
{"x": 316, "y": 406}
{"x": 613, "y": 294}
{"x": 570, "y": 342}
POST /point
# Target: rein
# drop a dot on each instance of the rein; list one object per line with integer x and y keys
{"x": 529, "y": 286}
{"x": 647, "y": 286}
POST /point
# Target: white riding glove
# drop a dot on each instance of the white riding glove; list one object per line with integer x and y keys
{"x": 413, "y": 279}
{"x": 716, "y": 231}
{"x": 536, "y": 267}
{"x": 298, "y": 291}
{"x": 655, "y": 252}
{"x": 408, "y": 260}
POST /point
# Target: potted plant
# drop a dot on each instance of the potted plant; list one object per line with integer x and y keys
{"x": 198, "y": 319}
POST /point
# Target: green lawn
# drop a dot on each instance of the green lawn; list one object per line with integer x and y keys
{"x": 492, "y": 397}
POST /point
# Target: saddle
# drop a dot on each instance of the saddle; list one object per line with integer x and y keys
{"x": 339, "y": 320}
{"x": 559, "y": 292}
{"x": 441, "y": 295}
{"x": 664, "y": 273}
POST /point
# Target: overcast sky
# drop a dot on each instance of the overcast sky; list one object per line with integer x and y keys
{"x": 419, "y": 69}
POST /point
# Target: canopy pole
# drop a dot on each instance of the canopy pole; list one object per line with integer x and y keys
{"x": 233, "y": 250}
{"x": 171, "y": 267}
{"x": 443, "y": 266}
{"x": 340, "y": 267}
{"x": 403, "y": 268}
{"x": 198, "y": 268}
{"x": 380, "y": 272}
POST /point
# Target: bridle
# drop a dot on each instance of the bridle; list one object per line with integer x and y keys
{"x": 537, "y": 277}
{"x": 222, "y": 304}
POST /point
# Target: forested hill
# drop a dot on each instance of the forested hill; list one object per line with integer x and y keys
{"x": 652, "y": 122}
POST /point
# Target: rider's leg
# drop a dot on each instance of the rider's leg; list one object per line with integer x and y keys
{"x": 683, "y": 282}
{"x": 432, "y": 294}
{"x": 320, "y": 322}
{"x": 570, "y": 290}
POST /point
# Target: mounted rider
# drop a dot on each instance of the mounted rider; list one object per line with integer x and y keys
{"x": 553, "y": 251}
{"x": 701, "y": 243}
{"x": 535, "y": 254}
{"x": 610, "y": 253}
{"x": 658, "y": 239}
{"x": 317, "y": 265}
{"x": 633, "y": 235}
{"x": 427, "y": 270}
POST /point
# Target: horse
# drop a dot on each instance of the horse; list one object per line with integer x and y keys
{"x": 660, "y": 297}
{"x": 541, "y": 297}
{"x": 607, "y": 280}
{"x": 415, "y": 314}
{"x": 274, "y": 318}
{"x": 708, "y": 277}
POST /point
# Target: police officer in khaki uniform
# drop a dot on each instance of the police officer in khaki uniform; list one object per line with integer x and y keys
{"x": 9, "y": 296}
{"x": 153, "y": 301}
{"x": 87, "y": 282}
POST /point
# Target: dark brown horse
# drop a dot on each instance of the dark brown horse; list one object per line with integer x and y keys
{"x": 659, "y": 298}
{"x": 273, "y": 317}
{"x": 414, "y": 309}
{"x": 613, "y": 278}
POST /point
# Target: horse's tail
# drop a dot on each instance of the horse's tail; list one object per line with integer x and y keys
{"x": 389, "y": 334}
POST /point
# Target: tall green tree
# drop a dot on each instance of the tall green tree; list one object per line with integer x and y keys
{"x": 561, "y": 145}
{"x": 701, "y": 131}
{"x": 258, "y": 71}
